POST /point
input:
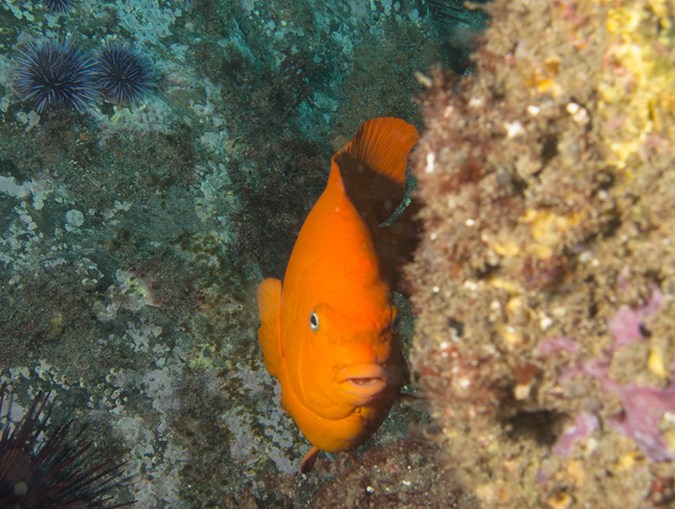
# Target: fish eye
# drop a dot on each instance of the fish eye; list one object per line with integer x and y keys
{"x": 313, "y": 321}
{"x": 396, "y": 322}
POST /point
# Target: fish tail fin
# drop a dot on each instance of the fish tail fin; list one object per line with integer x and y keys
{"x": 372, "y": 166}
{"x": 269, "y": 333}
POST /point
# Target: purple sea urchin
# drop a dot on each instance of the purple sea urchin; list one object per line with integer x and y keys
{"x": 122, "y": 73}
{"x": 52, "y": 74}
{"x": 58, "y": 6}
{"x": 50, "y": 474}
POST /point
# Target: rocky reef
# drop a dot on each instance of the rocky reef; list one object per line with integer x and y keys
{"x": 133, "y": 234}
{"x": 544, "y": 287}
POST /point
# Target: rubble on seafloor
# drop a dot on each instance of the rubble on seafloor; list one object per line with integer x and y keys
{"x": 545, "y": 283}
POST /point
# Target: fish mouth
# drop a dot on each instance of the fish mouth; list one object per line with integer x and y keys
{"x": 363, "y": 381}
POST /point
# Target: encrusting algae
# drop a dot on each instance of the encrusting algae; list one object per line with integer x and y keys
{"x": 545, "y": 282}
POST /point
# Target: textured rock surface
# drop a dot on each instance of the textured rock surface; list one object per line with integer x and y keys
{"x": 544, "y": 286}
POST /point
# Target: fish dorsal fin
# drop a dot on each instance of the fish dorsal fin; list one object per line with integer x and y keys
{"x": 372, "y": 169}
{"x": 372, "y": 166}
{"x": 269, "y": 334}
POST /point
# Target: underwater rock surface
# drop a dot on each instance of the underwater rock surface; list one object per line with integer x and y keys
{"x": 133, "y": 236}
{"x": 545, "y": 283}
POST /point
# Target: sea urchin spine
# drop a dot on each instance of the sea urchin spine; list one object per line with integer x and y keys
{"x": 50, "y": 475}
{"x": 52, "y": 74}
{"x": 58, "y": 6}
{"x": 122, "y": 73}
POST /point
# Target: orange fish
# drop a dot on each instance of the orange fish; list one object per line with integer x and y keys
{"x": 329, "y": 334}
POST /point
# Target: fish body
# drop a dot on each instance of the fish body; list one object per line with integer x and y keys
{"x": 329, "y": 333}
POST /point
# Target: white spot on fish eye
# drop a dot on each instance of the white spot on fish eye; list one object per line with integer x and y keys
{"x": 313, "y": 321}
{"x": 396, "y": 323}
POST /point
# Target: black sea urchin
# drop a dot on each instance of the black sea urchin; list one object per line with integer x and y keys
{"x": 53, "y": 73}
{"x": 122, "y": 73}
{"x": 51, "y": 474}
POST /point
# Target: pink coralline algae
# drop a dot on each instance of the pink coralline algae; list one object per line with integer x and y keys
{"x": 584, "y": 425}
{"x": 644, "y": 407}
{"x": 643, "y": 410}
{"x": 563, "y": 343}
{"x": 625, "y": 325}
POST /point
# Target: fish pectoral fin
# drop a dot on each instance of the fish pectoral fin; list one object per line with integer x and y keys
{"x": 396, "y": 243}
{"x": 269, "y": 333}
{"x": 307, "y": 463}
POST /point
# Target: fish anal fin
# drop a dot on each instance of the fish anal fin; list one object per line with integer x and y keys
{"x": 307, "y": 463}
{"x": 269, "y": 333}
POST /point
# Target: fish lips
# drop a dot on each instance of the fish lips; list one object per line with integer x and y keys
{"x": 363, "y": 382}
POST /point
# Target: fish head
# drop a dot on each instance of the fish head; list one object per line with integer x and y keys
{"x": 350, "y": 360}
